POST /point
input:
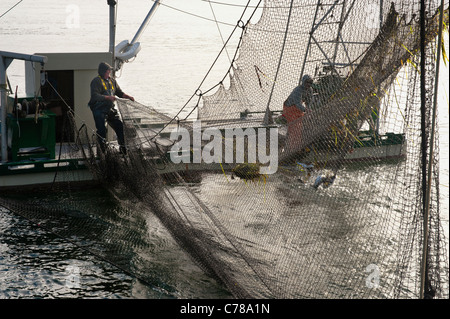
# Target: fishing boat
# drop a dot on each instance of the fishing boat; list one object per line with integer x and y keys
{"x": 35, "y": 152}
{"x": 265, "y": 235}
{"x": 39, "y": 131}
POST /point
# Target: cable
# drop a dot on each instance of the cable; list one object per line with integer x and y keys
{"x": 280, "y": 59}
{"x": 10, "y": 9}
{"x": 71, "y": 111}
{"x": 263, "y": 7}
{"x": 201, "y": 83}
{"x": 239, "y": 24}
{"x": 195, "y": 15}
{"x": 218, "y": 28}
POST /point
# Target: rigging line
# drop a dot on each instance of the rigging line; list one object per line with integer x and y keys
{"x": 59, "y": 155}
{"x": 193, "y": 109}
{"x": 235, "y": 52}
{"x": 215, "y": 61}
{"x": 281, "y": 57}
{"x": 229, "y": 38}
{"x": 72, "y": 113}
{"x": 195, "y": 15}
{"x": 62, "y": 99}
{"x": 263, "y": 7}
{"x": 145, "y": 138}
{"x": 207, "y": 73}
{"x": 10, "y": 8}
{"x": 228, "y": 4}
{"x": 173, "y": 118}
{"x": 424, "y": 272}
{"x": 218, "y": 28}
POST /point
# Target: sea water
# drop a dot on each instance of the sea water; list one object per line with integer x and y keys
{"x": 178, "y": 48}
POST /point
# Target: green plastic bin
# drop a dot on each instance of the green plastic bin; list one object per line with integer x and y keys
{"x": 30, "y": 138}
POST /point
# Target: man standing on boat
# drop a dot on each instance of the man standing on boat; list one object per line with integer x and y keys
{"x": 294, "y": 108}
{"x": 300, "y": 98}
{"x": 104, "y": 90}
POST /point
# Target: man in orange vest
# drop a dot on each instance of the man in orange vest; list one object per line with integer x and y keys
{"x": 104, "y": 90}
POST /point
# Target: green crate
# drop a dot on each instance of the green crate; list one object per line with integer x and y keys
{"x": 30, "y": 138}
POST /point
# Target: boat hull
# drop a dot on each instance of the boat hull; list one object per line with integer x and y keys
{"x": 37, "y": 174}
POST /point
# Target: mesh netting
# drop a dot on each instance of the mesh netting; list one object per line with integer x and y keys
{"x": 343, "y": 215}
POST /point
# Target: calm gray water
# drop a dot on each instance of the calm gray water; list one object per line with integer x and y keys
{"x": 177, "y": 50}
{"x": 142, "y": 260}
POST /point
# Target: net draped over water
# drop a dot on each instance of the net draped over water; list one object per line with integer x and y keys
{"x": 343, "y": 215}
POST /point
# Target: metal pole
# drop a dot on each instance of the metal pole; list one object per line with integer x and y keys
{"x": 377, "y": 124}
{"x": 3, "y": 102}
{"x": 145, "y": 22}
{"x": 341, "y": 24}
{"x": 112, "y": 31}
{"x": 430, "y": 160}
{"x": 309, "y": 42}
{"x": 5, "y": 60}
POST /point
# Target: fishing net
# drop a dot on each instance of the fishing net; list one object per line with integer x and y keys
{"x": 339, "y": 209}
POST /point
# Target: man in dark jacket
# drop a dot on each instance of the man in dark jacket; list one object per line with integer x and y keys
{"x": 104, "y": 90}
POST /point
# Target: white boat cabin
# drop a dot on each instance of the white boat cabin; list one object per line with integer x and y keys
{"x": 68, "y": 78}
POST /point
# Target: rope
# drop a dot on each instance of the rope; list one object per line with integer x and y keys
{"x": 264, "y": 7}
{"x": 426, "y": 184}
{"x": 207, "y": 73}
{"x": 10, "y": 9}
{"x": 218, "y": 28}
{"x": 195, "y": 15}
{"x": 281, "y": 57}
{"x": 234, "y": 57}
{"x": 71, "y": 111}
{"x": 59, "y": 155}
{"x": 423, "y": 96}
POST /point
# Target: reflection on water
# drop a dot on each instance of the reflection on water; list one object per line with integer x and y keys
{"x": 38, "y": 264}
{"x": 93, "y": 247}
